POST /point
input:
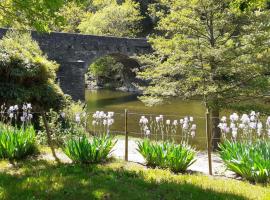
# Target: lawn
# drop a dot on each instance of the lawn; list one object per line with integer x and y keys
{"x": 44, "y": 179}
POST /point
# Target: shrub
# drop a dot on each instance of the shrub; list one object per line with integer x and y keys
{"x": 249, "y": 160}
{"x": 81, "y": 150}
{"x": 176, "y": 157}
{"x": 16, "y": 144}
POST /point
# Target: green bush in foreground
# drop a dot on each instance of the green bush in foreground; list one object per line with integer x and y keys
{"x": 81, "y": 150}
{"x": 176, "y": 157}
{"x": 249, "y": 160}
{"x": 16, "y": 144}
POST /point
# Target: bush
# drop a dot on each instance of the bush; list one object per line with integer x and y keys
{"x": 81, "y": 150}
{"x": 63, "y": 125}
{"x": 176, "y": 157}
{"x": 16, "y": 144}
{"x": 249, "y": 160}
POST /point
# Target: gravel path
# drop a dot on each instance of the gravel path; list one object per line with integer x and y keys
{"x": 200, "y": 166}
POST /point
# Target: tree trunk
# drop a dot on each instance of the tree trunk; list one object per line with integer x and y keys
{"x": 216, "y": 134}
{"x": 49, "y": 138}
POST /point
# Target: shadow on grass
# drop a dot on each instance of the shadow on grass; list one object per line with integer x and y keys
{"x": 43, "y": 180}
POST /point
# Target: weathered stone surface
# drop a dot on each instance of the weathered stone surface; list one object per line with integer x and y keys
{"x": 75, "y": 52}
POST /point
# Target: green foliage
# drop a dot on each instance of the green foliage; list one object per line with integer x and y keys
{"x": 113, "y": 20}
{"x": 208, "y": 49}
{"x": 167, "y": 155}
{"x": 26, "y": 74}
{"x": 105, "y": 66}
{"x": 16, "y": 143}
{"x": 31, "y": 13}
{"x": 81, "y": 150}
{"x": 63, "y": 125}
{"x": 249, "y": 160}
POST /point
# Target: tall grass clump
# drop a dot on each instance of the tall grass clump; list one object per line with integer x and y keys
{"x": 176, "y": 157}
{"x": 83, "y": 150}
{"x": 249, "y": 160}
{"x": 17, "y": 143}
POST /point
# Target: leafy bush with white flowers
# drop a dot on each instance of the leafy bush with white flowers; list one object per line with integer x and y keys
{"x": 165, "y": 128}
{"x": 17, "y": 135}
{"x": 245, "y": 149}
{"x": 176, "y": 157}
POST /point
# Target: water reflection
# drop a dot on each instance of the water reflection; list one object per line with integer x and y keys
{"x": 117, "y": 101}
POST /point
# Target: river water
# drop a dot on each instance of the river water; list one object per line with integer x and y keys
{"x": 118, "y": 101}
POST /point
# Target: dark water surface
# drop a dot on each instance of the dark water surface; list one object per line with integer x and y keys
{"x": 117, "y": 101}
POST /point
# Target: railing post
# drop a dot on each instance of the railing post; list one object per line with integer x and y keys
{"x": 126, "y": 135}
{"x": 209, "y": 142}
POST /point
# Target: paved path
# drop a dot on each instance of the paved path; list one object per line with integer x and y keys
{"x": 201, "y": 164}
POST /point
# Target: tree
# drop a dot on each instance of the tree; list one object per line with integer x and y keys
{"x": 213, "y": 50}
{"x": 113, "y": 20}
{"x": 26, "y": 74}
{"x": 31, "y": 13}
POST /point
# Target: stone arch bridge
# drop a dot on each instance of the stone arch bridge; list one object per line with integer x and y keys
{"x": 75, "y": 52}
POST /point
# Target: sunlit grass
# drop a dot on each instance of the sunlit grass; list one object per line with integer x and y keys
{"x": 33, "y": 179}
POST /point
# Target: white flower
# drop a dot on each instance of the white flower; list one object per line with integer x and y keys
{"x": 11, "y": 115}
{"x": 268, "y": 121}
{"x": 252, "y": 125}
{"x": 77, "y": 118}
{"x": 223, "y": 119}
{"x": 62, "y": 114}
{"x": 94, "y": 122}
{"x": 191, "y": 119}
{"x": 259, "y": 125}
{"x": 252, "y": 113}
{"x": 16, "y": 107}
{"x": 192, "y": 133}
{"x": 110, "y": 114}
{"x": 161, "y": 117}
{"x": 29, "y": 106}
{"x": 84, "y": 114}
{"x": 185, "y": 125}
{"x": 158, "y": 119}
{"x": 147, "y": 132}
{"x": 143, "y": 120}
{"x": 241, "y": 126}
{"x": 245, "y": 119}
{"x": 186, "y": 119}
{"x": 110, "y": 122}
{"x": 234, "y": 117}
{"x": 22, "y": 118}
{"x": 11, "y": 109}
{"x": 232, "y": 125}
{"x": 168, "y": 122}
{"x": 259, "y": 132}
{"x": 175, "y": 122}
{"x": 30, "y": 116}
{"x": 181, "y": 121}
{"x": 193, "y": 127}
{"x": 234, "y": 132}
{"x": 104, "y": 122}
{"x": 252, "y": 118}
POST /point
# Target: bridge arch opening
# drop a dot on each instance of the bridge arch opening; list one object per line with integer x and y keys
{"x": 113, "y": 71}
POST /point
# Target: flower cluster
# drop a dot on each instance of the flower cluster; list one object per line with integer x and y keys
{"x": 102, "y": 122}
{"x": 249, "y": 125}
{"x": 167, "y": 127}
{"x": 11, "y": 113}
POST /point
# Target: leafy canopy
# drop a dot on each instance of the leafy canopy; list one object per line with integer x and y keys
{"x": 26, "y": 74}
{"x": 114, "y": 20}
{"x": 209, "y": 49}
{"x": 37, "y": 14}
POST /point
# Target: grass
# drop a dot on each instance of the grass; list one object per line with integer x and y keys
{"x": 42, "y": 179}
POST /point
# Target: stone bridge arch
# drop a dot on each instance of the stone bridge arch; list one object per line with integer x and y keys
{"x": 75, "y": 52}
